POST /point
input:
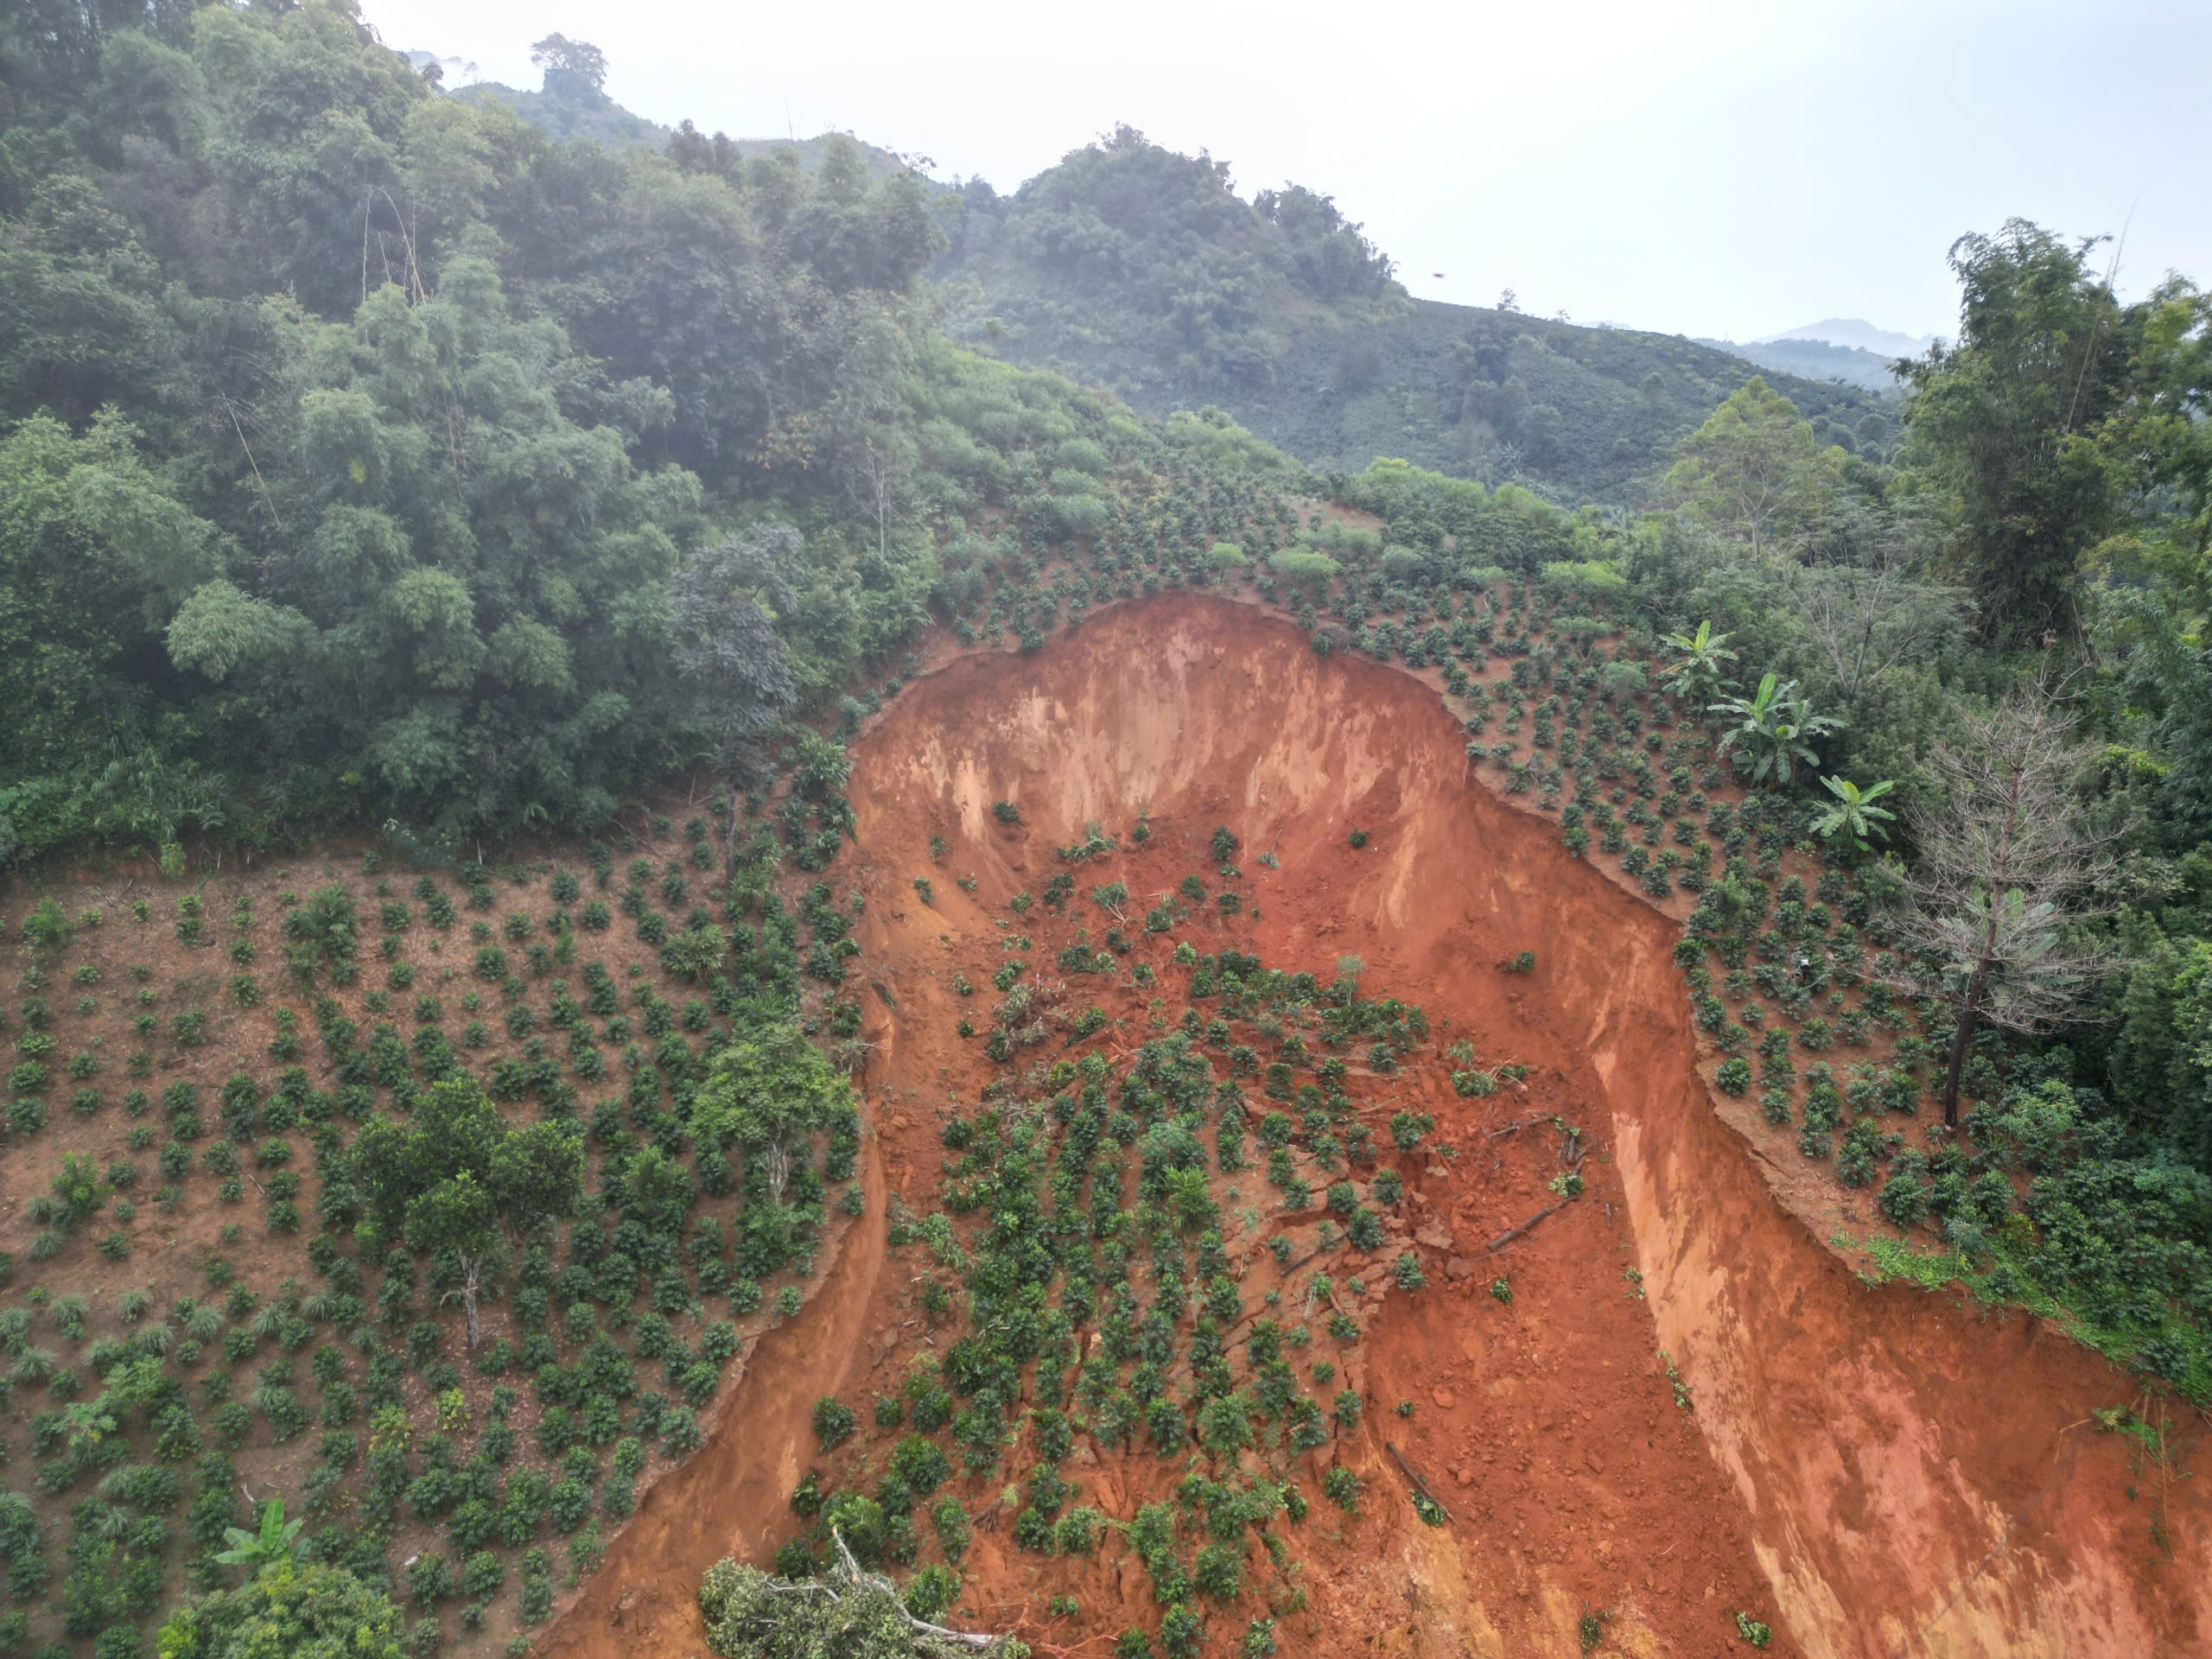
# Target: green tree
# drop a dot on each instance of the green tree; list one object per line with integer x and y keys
{"x": 269, "y": 1547}
{"x": 1854, "y": 816}
{"x": 1754, "y": 472}
{"x": 2005, "y": 424}
{"x": 769, "y": 1092}
{"x": 1701, "y": 661}
{"x": 288, "y": 1612}
{"x": 725, "y": 604}
{"x": 576, "y": 71}
{"x": 1310, "y": 569}
{"x": 456, "y": 1176}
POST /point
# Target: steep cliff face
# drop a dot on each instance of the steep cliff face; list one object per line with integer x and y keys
{"x": 1885, "y": 1473}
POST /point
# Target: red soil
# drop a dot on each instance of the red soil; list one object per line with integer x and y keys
{"x": 1873, "y": 1471}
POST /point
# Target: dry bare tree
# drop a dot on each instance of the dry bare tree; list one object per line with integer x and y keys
{"x": 2005, "y": 862}
{"x": 1867, "y": 619}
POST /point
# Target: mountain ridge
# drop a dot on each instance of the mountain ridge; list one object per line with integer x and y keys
{"x": 1852, "y": 334}
{"x": 1141, "y": 271}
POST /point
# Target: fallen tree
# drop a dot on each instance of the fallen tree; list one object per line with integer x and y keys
{"x": 847, "y": 1613}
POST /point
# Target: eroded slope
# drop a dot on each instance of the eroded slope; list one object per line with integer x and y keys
{"x": 1906, "y": 1476}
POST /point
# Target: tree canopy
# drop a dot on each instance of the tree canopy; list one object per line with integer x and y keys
{"x": 355, "y": 439}
{"x": 288, "y": 1612}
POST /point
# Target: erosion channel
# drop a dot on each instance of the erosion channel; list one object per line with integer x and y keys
{"x": 1873, "y": 1470}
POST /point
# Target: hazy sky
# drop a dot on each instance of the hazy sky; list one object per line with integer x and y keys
{"x": 1713, "y": 168}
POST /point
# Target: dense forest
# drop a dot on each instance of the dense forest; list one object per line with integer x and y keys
{"x": 451, "y": 471}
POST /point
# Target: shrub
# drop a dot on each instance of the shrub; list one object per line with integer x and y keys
{"x": 21, "y": 1543}
{"x": 920, "y": 1465}
{"x": 429, "y": 1579}
{"x": 1904, "y": 1197}
{"x": 1734, "y": 1075}
{"x": 931, "y": 1591}
{"x": 833, "y": 1422}
{"x": 1218, "y": 1572}
{"x": 1341, "y": 1488}
{"x": 46, "y": 926}
{"x": 1407, "y": 1129}
{"x": 1077, "y": 1533}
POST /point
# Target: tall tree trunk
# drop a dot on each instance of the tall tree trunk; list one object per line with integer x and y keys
{"x": 778, "y": 1169}
{"x": 1969, "y": 1010}
{"x": 472, "y": 1286}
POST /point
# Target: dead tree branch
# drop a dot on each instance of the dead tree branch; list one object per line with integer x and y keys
{"x": 969, "y": 1639}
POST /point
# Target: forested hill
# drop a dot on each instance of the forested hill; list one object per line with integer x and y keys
{"x": 1133, "y": 267}
{"x": 573, "y": 107}
{"x": 363, "y": 451}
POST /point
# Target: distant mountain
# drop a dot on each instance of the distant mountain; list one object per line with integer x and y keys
{"x": 1814, "y": 359}
{"x": 1853, "y": 334}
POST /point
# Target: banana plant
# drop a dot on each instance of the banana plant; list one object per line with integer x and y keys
{"x": 1770, "y": 729}
{"x": 1698, "y": 659}
{"x": 1854, "y": 816}
{"x": 271, "y": 1547}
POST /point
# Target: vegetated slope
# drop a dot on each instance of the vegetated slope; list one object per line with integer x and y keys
{"x": 204, "y": 1307}
{"x": 560, "y": 119}
{"x": 1134, "y": 268}
{"x": 563, "y": 118}
{"x": 1908, "y": 1476}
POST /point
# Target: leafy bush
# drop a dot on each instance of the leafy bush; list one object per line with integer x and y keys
{"x": 833, "y": 1422}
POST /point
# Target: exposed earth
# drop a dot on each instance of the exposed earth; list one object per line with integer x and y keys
{"x": 1872, "y": 1470}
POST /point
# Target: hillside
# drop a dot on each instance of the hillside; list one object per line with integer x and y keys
{"x": 1137, "y": 269}
{"x": 1131, "y": 267}
{"x": 606, "y": 123}
{"x": 1063, "y": 1035}
{"x": 559, "y": 118}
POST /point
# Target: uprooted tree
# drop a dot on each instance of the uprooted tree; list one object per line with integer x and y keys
{"x": 848, "y": 1613}
{"x": 457, "y": 1175}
